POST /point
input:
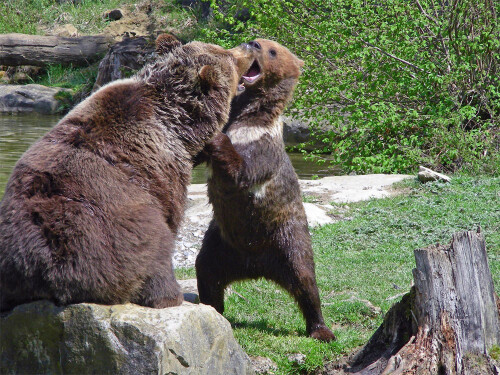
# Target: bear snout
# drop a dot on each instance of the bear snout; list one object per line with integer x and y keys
{"x": 244, "y": 57}
{"x": 255, "y": 44}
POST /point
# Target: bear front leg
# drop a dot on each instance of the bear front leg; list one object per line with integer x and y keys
{"x": 223, "y": 157}
{"x": 297, "y": 276}
{"x": 160, "y": 291}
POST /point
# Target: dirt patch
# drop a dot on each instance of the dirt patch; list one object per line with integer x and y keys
{"x": 131, "y": 24}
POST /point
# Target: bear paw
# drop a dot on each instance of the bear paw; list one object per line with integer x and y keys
{"x": 323, "y": 334}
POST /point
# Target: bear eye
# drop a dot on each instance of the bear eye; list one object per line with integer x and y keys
{"x": 272, "y": 52}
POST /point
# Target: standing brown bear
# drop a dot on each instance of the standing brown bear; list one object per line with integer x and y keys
{"x": 91, "y": 210}
{"x": 259, "y": 227}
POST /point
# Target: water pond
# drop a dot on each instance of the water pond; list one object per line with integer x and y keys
{"x": 18, "y": 132}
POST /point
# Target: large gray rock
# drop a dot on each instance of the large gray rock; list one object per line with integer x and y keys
{"x": 33, "y": 98}
{"x": 41, "y": 338}
{"x": 297, "y": 130}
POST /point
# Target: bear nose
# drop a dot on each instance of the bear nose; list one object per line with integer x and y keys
{"x": 254, "y": 44}
{"x": 245, "y": 46}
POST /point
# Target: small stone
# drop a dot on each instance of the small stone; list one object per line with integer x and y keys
{"x": 67, "y": 30}
{"x": 298, "y": 358}
{"x": 263, "y": 365}
{"x": 113, "y": 15}
{"x": 316, "y": 216}
{"x": 20, "y": 77}
{"x": 192, "y": 298}
{"x": 426, "y": 175}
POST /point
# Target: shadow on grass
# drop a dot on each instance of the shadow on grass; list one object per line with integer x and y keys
{"x": 263, "y": 326}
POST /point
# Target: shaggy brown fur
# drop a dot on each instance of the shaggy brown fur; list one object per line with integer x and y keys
{"x": 91, "y": 210}
{"x": 259, "y": 227}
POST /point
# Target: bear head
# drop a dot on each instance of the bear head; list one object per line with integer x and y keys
{"x": 269, "y": 83}
{"x": 193, "y": 85}
{"x": 218, "y": 67}
{"x": 273, "y": 64}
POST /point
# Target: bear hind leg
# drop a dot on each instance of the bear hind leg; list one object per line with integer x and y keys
{"x": 300, "y": 281}
{"x": 216, "y": 268}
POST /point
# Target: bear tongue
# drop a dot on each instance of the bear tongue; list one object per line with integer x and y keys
{"x": 253, "y": 73}
{"x": 251, "y": 79}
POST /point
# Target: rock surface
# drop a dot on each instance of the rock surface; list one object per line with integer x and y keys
{"x": 263, "y": 365}
{"x": 41, "y": 338}
{"x": 189, "y": 288}
{"x": 335, "y": 189}
{"x": 32, "y": 98}
{"x": 113, "y": 15}
{"x": 426, "y": 175}
{"x": 295, "y": 131}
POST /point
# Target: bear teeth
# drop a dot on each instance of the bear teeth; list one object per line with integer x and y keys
{"x": 253, "y": 73}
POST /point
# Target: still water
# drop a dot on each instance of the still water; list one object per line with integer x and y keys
{"x": 18, "y": 132}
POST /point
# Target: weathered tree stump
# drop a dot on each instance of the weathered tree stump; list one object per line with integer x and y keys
{"x": 38, "y": 50}
{"x": 123, "y": 59}
{"x": 449, "y": 321}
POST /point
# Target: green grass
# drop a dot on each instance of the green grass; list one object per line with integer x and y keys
{"x": 39, "y": 16}
{"x": 33, "y": 16}
{"x": 369, "y": 257}
{"x": 69, "y": 77}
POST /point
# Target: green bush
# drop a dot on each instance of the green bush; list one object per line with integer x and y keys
{"x": 389, "y": 85}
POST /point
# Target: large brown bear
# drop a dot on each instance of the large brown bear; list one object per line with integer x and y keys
{"x": 259, "y": 227}
{"x": 91, "y": 210}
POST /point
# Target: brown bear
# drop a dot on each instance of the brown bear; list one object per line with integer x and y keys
{"x": 91, "y": 210}
{"x": 259, "y": 227}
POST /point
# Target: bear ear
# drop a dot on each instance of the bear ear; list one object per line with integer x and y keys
{"x": 208, "y": 77}
{"x": 165, "y": 43}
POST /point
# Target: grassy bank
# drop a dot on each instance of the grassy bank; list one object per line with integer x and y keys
{"x": 87, "y": 16}
{"x": 368, "y": 257}
{"x": 37, "y": 16}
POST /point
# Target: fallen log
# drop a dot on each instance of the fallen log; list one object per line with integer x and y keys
{"x": 38, "y": 50}
{"x": 447, "y": 324}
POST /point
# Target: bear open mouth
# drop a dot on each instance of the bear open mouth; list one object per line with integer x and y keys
{"x": 252, "y": 74}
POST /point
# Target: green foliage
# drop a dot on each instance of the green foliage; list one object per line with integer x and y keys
{"x": 81, "y": 80}
{"x": 390, "y": 84}
{"x": 494, "y": 352}
{"x": 64, "y": 76}
{"x": 65, "y": 99}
